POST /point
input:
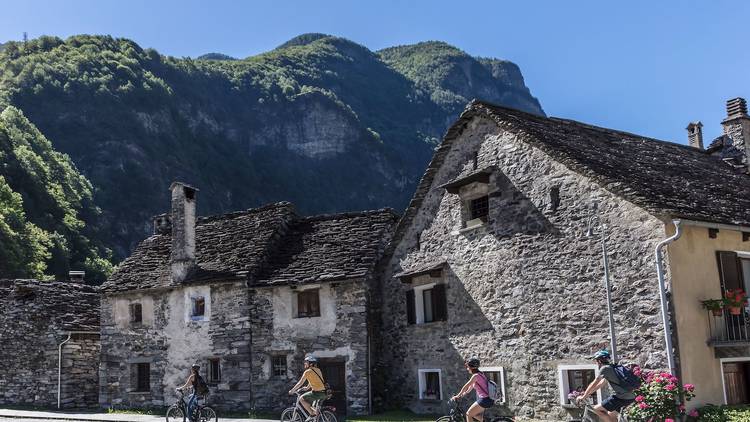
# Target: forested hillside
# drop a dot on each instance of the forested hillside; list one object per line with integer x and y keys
{"x": 319, "y": 121}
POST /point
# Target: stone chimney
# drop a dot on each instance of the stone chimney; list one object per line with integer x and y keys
{"x": 737, "y": 128}
{"x": 77, "y": 276}
{"x": 695, "y": 135}
{"x": 183, "y": 230}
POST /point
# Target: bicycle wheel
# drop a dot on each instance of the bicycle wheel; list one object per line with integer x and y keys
{"x": 207, "y": 414}
{"x": 291, "y": 415}
{"x": 444, "y": 419}
{"x": 174, "y": 414}
{"x": 328, "y": 416}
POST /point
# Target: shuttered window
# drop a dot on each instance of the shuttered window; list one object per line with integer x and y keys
{"x": 308, "y": 304}
{"x": 425, "y": 305}
{"x": 136, "y": 313}
{"x": 730, "y": 271}
{"x": 214, "y": 371}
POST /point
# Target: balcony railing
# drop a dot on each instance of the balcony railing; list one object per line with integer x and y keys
{"x": 729, "y": 330}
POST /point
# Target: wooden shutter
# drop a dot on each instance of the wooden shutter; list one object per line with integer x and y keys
{"x": 729, "y": 270}
{"x": 411, "y": 315}
{"x": 439, "y": 303}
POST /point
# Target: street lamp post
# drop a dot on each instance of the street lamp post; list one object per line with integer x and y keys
{"x": 607, "y": 285}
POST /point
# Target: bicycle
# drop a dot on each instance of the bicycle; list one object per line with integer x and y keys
{"x": 297, "y": 413}
{"x": 457, "y": 414}
{"x": 589, "y": 415}
{"x": 178, "y": 411}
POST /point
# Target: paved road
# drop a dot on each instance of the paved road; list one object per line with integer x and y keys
{"x": 7, "y": 415}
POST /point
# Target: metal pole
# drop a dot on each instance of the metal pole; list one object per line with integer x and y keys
{"x": 608, "y": 287}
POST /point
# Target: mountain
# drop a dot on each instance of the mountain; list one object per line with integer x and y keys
{"x": 215, "y": 56}
{"x": 48, "y": 221}
{"x": 320, "y": 121}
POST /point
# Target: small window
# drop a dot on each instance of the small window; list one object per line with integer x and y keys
{"x": 279, "y": 366}
{"x": 497, "y": 375}
{"x": 308, "y": 304}
{"x": 214, "y": 371}
{"x": 426, "y": 304}
{"x": 142, "y": 377}
{"x": 479, "y": 208}
{"x": 199, "y": 307}
{"x": 136, "y": 313}
{"x": 574, "y": 379}
{"x": 429, "y": 384}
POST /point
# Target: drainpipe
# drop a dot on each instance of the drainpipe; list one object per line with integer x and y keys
{"x": 59, "y": 360}
{"x": 663, "y": 294}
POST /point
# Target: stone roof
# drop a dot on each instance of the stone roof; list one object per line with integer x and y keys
{"x": 60, "y": 305}
{"x": 265, "y": 246}
{"x": 329, "y": 248}
{"x": 666, "y": 179}
{"x": 228, "y": 246}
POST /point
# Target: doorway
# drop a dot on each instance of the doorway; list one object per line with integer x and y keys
{"x": 736, "y": 378}
{"x": 334, "y": 373}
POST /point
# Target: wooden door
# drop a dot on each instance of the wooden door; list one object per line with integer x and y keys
{"x": 334, "y": 373}
{"x": 735, "y": 383}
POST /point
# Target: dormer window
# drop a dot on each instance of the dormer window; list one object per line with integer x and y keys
{"x": 474, "y": 191}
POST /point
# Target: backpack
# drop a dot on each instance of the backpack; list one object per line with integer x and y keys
{"x": 201, "y": 388}
{"x": 328, "y": 389}
{"x": 628, "y": 380}
{"x": 493, "y": 393}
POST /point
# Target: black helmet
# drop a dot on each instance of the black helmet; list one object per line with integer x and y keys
{"x": 473, "y": 362}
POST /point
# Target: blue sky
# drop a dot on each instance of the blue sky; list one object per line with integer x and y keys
{"x": 648, "y": 67}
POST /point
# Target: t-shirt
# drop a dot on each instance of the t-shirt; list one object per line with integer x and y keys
{"x": 608, "y": 372}
{"x": 481, "y": 387}
{"x": 315, "y": 378}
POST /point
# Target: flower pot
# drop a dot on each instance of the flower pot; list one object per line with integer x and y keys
{"x": 717, "y": 312}
{"x": 735, "y": 310}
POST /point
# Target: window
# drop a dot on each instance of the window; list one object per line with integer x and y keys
{"x": 429, "y": 384}
{"x": 214, "y": 371}
{"x": 308, "y": 304}
{"x": 279, "y": 366}
{"x": 575, "y": 378}
{"x": 426, "y": 303}
{"x": 142, "y": 375}
{"x": 136, "y": 313}
{"x": 479, "y": 208}
{"x": 497, "y": 375}
{"x": 199, "y": 307}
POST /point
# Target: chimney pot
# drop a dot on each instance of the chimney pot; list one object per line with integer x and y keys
{"x": 77, "y": 276}
{"x": 737, "y": 130}
{"x": 736, "y": 107}
{"x": 183, "y": 230}
{"x": 695, "y": 135}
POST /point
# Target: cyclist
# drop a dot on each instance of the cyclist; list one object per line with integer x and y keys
{"x": 480, "y": 383}
{"x": 314, "y": 379}
{"x": 196, "y": 382}
{"x": 610, "y": 408}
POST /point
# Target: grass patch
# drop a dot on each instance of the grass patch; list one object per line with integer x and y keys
{"x": 136, "y": 411}
{"x": 393, "y": 415}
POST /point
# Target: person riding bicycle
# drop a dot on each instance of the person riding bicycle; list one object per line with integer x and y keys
{"x": 314, "y": 379}
{"x": 609, "y": 409}
{"x": 197, "y": 383}
{"x": 480, "y": 383}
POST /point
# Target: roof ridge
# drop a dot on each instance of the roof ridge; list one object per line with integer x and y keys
{"x": 249, "y": 211}
{"x": 350, "y": 214}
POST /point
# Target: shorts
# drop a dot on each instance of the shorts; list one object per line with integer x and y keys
{"x": 486, "y": 402}
{"x": 615, "y": 404}
{"x": 313, "y": 396}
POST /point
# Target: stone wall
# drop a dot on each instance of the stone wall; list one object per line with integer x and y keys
{"x": 340, "y": 333}
{"x": 170, "y": 341}
{"x": 525, "y": 289}
{"x": 36, "y": 317}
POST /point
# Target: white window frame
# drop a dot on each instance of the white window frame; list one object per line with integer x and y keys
{"x": 422, "y": 382}
{"x": 419, "y": 302}
{"x": 563, "y": 380}
{"x": 501, "y": 386}
{"x": 722, "y": 361}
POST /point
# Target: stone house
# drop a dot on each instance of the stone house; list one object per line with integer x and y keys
{"x": 246, "y": 295}
{"x": 49, "y": 343}
{"x": 491, "y": 258}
